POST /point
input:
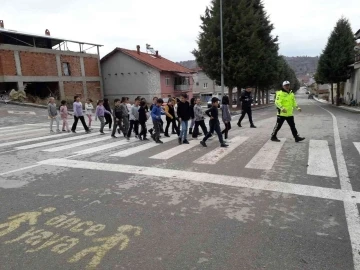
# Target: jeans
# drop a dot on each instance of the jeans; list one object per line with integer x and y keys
{"x": 200, "y": 123}
{"x": 125, "y": 125}
{"x": 249, "y": 113}
{"x": 76, "y": 120}
{"x": 57, "y": 123}
{"x": 157, "y": 128}
{"x": 280, "y": 121}
{"x": 134, "y": 124}
{"x": 102, "y": 123}
{"x": 184, "y": 128}
{"x": 214, "y": 127}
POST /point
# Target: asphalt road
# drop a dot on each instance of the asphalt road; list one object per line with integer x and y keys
{"x": 76, "y": 201}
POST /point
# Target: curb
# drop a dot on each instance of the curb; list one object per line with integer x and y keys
{"x": 27, "y": 104}
{"x": 349, "y": 109}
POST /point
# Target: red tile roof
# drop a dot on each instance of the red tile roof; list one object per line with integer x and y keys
{"x": 157, "y": 62}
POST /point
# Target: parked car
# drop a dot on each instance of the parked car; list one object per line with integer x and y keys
{"x": 311, "y": 96}
{"x": 307, "y": 92}
{"x": 209, "y": 104}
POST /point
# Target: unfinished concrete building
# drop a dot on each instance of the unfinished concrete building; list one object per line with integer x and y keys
{"x": 44, "y": 66}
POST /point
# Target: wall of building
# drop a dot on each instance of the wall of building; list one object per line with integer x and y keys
{"x": 352, "y": 86}
{"x": 7, "y": 63}
{"x": 124, "y": 76}
{"x": 23, "y": 65}
{"x": 200, "y": 79}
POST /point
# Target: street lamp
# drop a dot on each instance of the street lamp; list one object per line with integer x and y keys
{"x": 222, "y": 50}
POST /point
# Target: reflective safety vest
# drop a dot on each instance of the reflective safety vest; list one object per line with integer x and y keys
{"x": 285, "y": 100}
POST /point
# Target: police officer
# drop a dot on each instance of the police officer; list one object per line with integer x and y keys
{"x": 246, "y": 100}
{"x": 285, "y": 102}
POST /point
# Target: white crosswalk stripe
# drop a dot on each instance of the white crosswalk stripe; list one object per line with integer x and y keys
{"x": 54, "y": 142}
{"x": 357, "y": 146}
{"x": 33, "y": 139}
{"x": 216, "y": 155}
{"x": 73, "y": 145}
{"x": 320, "y": 161}
{"x": 102, "y": 147}
{"x": 175, "y": 150}
{"x": 11, "y": 130}
{"x": 266, "y": 156}
{"x": 140, "y": 148}
{"x": 24, "y": 132}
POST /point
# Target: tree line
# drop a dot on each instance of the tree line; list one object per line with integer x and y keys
{"x": 251, "y": 52}
{"x": 336, "y": 58}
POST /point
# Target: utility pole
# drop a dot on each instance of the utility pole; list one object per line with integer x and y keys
{"x": 222, "y": 50}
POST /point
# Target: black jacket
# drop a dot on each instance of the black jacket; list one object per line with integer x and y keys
{"x": 246, "y": 100}
{"x": 184, "y": 111}
{"x": 214, "y": 113}
{"x": 142, "y": 115}
{"x": 117, "y": 112}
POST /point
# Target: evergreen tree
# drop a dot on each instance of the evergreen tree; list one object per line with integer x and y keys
{"x": 337, "y": 56}
{"x": 250, "y": 52}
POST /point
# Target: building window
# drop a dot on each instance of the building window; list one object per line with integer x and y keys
{"x": 66, "y": 69}
{"x": 167, "y": 81}
{"x": 205, "y": 85}
{"x": 197, "y": 83}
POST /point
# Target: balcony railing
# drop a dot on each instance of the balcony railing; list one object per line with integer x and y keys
{"x": 357, "y": 58}
{"x": 182, "y": 87}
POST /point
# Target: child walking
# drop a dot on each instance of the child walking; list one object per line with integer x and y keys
{"x": 199, "y": 119}
{"x": 134, "y": 119}
{"x": 89, "y": 111}
{"x": 170, "y": 118}
{"x": 226, "y": 116}
{"x": 108, "y": 117}
{"x": 78, "y": 114}
{"x": 142, "y": 120}
{"x": 184, "y": 114}
{"x": 125, "y": 116}
{"x": 53, "y": 115}
{"x": 156, "y": 113}
{"x": 64, "y": 116}
{"x": 192, "y": 116}
{"x": 214, "y": 123}
{"x": 100, "y": 113}
{"x": 117, "y": 117}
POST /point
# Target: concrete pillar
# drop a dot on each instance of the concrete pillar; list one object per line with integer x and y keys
{"x": 82, "y": 66}
{"x": 85, "y": 89}
{"x": 58, "y": 65}
{"x": 101, "y": 78}
{"x": 61, "y": 90}
{"x": 17, "y": 63}
{"x": 20, "y": 85}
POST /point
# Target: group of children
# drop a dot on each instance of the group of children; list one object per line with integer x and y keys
{"x": 129, "y": 118}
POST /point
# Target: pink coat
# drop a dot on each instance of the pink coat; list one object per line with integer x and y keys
{"x": 63, "y": 112}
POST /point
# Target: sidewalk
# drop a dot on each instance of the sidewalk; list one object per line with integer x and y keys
{"x": 342, "y": 107}
{"x": 235, "y": 111}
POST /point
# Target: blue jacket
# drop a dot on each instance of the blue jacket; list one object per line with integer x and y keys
{"x": 156, "y": 113}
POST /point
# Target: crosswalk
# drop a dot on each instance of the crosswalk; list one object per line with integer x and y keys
{"x": 261, "y": 155}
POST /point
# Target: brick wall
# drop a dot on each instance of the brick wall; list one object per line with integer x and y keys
{"x": 38, "y": 64}
{"x": 91, "y": 67}
{"x": 93, "y": 90}
{"x": 73, "y": 88}
{"x": 7, "y": 63}
{"x": 74, "y": 61}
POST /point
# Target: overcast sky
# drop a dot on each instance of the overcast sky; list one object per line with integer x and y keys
{"x": 171, "y": 26}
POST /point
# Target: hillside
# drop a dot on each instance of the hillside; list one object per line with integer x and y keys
{"x": 302, "y": 65}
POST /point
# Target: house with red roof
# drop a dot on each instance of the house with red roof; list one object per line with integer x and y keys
{"x": 133, "y": 73}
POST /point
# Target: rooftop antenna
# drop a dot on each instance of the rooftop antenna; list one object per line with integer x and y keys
{"x": 150, "y": 49}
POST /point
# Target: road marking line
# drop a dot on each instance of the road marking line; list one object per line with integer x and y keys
{"x": 73, "y": 145}
{"x": 140, "y": 148}
{"x": 176, "y": 150}
{"x": 14, "y": 133}
{"x": 21, "y": 169}
{"x": 216, "y": 155}
{"x": 235, "y": 181}
{"x": 102, "y": 147}
{"x": 351, "y": 209}
{"x": 12, "y": 127}
{"x": 54, "y": 142}
{"x": 33, "y": 139}
{"x": 357, "y": 145}
{"x": 266, "y": 156}
{"x": 320, "y": 161}
{"x": 10, "y": 130}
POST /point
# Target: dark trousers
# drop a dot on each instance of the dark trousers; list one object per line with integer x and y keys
{"x": 157, "y": 129}
{"x": 226, "y": 130}
{"x": 76, "y": 120}
{"x": 177, "y": 124}
{"x": 280, "y": 121}
{"x": 200, "y": 123}
{"x": 117, "y": 124}
{"x": 214, "y": 127}
{"x": 134, "y": 124}
{"x": 174, "y": 126}
{"x": 108, "y": 120}
{"x": 143, "y": 129}
{"x": 248, "y": 112}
